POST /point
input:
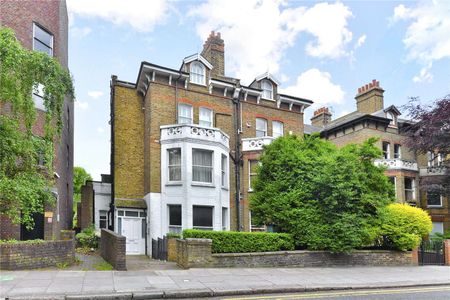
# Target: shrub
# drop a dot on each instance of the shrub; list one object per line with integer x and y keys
{"x": 173, "y": 235}
{"x": 88, "y": 238}
{"x": 403, "y": 226}
{"x": 239, "y": 242}
{"x": 13, "y": 242}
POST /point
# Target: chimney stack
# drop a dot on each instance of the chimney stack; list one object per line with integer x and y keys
{"x": 370, "y": 98}
{"x": 321, "y": 117}
{"x": 214, "y": 52}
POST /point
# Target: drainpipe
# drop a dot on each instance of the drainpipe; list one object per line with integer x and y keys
{"x": 237, "y": 156}
{"x": 111, "y": 203}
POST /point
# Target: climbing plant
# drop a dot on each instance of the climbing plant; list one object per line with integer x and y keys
{"x": 25, "y": 184}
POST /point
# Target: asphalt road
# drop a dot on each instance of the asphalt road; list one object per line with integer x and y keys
{"x": 428, "y": 293}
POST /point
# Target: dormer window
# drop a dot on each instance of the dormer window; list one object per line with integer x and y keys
{"x": 267, "y": 89}
{"x": 198, "y": 73}
{"x": 391, "y": 117}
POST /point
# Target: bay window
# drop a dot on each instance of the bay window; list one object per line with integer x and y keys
{"x": 224, "y": 170}
{"x": 174, "y": 164}
{"x": 410, "y": 189}
{"x": 202, "y": 217}
{"x": 175, "y": 218}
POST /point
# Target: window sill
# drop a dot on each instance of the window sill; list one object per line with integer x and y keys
{"x": 174, "y": 183}
{"x": 267, "y": 99}
{"x": 199, "y": 84}
{"x": 203, "y": 184}
{"x": 434, "y": 206}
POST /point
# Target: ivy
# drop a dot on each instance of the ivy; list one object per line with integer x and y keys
{"x": 25, "y": 187}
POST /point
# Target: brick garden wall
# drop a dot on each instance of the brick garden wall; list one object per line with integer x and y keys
{"x": 195, "y": 253}
{"x": 113, "y": 249}
{"x": 44, "y": 254}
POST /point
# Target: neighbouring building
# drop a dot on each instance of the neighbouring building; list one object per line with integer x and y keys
{"x": 404, "y": 167}
{"x": 43, "y": 26}
{"x": 94, "y": 205}
{"x": 185, "y": 143}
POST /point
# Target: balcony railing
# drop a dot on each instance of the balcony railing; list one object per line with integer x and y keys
{"x": 433, "y": 170}
{"x": 256, "y": 144}
{"x": 397, "y": 164}
{"x": 194, "y": 132}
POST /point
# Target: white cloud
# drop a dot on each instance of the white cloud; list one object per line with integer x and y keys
{"x": 427, "y": 37}
{"x": 361, "y": 41}
{"x": 100, "y": 129}
{"x": 95, "y": 94}
{"x": 80, "y": 32}
{"x": 142, "y": 15}
{"x": 258, "y": 33}
{"x": 316, "y": 85}
{"x": 81, "y": 104}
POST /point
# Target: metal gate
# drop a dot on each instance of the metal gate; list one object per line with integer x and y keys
{"x": 159, "y": 248}
{"x": 431, "y": 253}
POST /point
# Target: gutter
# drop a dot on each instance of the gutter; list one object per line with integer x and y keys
{"x": 111, "y": 215}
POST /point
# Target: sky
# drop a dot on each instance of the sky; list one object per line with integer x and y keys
{"x": 321, "y": 51}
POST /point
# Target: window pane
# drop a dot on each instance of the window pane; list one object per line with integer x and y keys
{"x": 267, "y": 88}
{"x": 175, "y": 215}
{"x": 261, "y": 127}
{"x": 433, "y": 198}
{"x": 386, "y": 150}
{"x": 120, "y": 213}
{"x": 143, "y": 228}
{"x": 119, "y": 225}
{"x": 202, "y": 216}
{"x": 184, "y": 114}
{"x": 224, "y": 170}
{"x": 38, "y": 46}
{"x": 224, "y": 218}
{"x": 277, "y": 129}
{"x": 132, "y": 214}
{"x": 397, "y": 151}
{"x": 202, "y": 165}
{"x": 174, "y": 164}
{"x": 43, "y": 36}
{"x": 206, "y": 117}
{"x": 197, "y": 73}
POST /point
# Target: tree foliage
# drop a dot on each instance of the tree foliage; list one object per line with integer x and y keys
{"x": 327, "y": 198}
{"x": 431, "y": 132}
{"x": 25, "y": 187}
{"x": 80, "y": 176}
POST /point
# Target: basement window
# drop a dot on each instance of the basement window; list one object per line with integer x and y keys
{"x": 202, "y": 217}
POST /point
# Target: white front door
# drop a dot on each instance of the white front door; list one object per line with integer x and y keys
{"x": 131, "y": 229}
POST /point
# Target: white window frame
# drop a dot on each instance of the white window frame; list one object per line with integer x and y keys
{"x": 250, "y": 174}
{"x": 179, "y": 117}
{"x": 102, "y": 213}
{"x": 36, "y": 39}
{"x": 399, "y": 154}
{"x": 387, "y": 153}
{"x": 435, "y": 205}
{"x": 174, "y": 228}
{"x": 223, "y": 166}
{"x": 413, "y": 188}
{"x": 224, "y": 218}
{"x": 267, "y": 89}
{"x": 169, "y": 165}
{"x": 195, "y": 76}
{"x": 211, "y": 168}
{"x": 259, "y": 130}
{"x": 38, "y": 96}
{"x": 211, "y": 117}
{"x": 278, "y": 134}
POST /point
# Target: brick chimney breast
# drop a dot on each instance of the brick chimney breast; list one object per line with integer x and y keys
{"x": 369, "y": 98}
{"x": 214, "y": 52}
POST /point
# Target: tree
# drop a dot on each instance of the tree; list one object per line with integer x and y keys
{"x": 328, "y": 198}
{"x": 80, "y": 176}
{"x": 431, "y": 132}
{"x": 24, "y": 186}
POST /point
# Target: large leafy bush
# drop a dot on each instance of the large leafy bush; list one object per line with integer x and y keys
{"x": 327, "y": 198}
{"x": 403, "y": 226}
{"x": 241, "y": 242}
{"x": 88, "y": 238}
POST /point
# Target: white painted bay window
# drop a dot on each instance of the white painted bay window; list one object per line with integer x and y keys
{"x": 184, "y": 114}
{"x": 261, "y": 127}
{"x": 224, "y": 218}
{"x": 174, "y": 164}
{"x": 206, "y": 117}
{"x": 223, "y": 164}
{"x": 277, "y": 128}
{"x": 202, "y": 165}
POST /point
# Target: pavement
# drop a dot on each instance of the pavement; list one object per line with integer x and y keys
{"x": 196, "y": 283}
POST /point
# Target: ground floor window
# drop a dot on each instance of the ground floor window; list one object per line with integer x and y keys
{"x": 410, "y": 190}
{"x": 103, "y": 219}
{"x": 438, "y": 227}
{"x": 224, "y": 218}
{"x": 434, "y": 199}
{"x": 175, "y": 218}
{"x": 202, "y": 217}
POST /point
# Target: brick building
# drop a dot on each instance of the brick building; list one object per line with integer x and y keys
{"x": 43, "y": 26}
{"x": 404, "y": 167}
{"x": 184, "y": 141}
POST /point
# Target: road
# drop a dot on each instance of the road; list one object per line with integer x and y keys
{"x": 428, "y": 293}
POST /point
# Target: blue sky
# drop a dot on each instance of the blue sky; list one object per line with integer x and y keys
{"x": 322, "y": 51}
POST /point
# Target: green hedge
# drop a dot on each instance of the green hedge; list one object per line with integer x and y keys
{"x": 241, "y": 242}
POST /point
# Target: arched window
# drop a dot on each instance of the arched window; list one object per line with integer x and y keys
{"x": 197, "y": 73}
{"x": 391, "y": 117}
{"x": 267, "y": 89}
